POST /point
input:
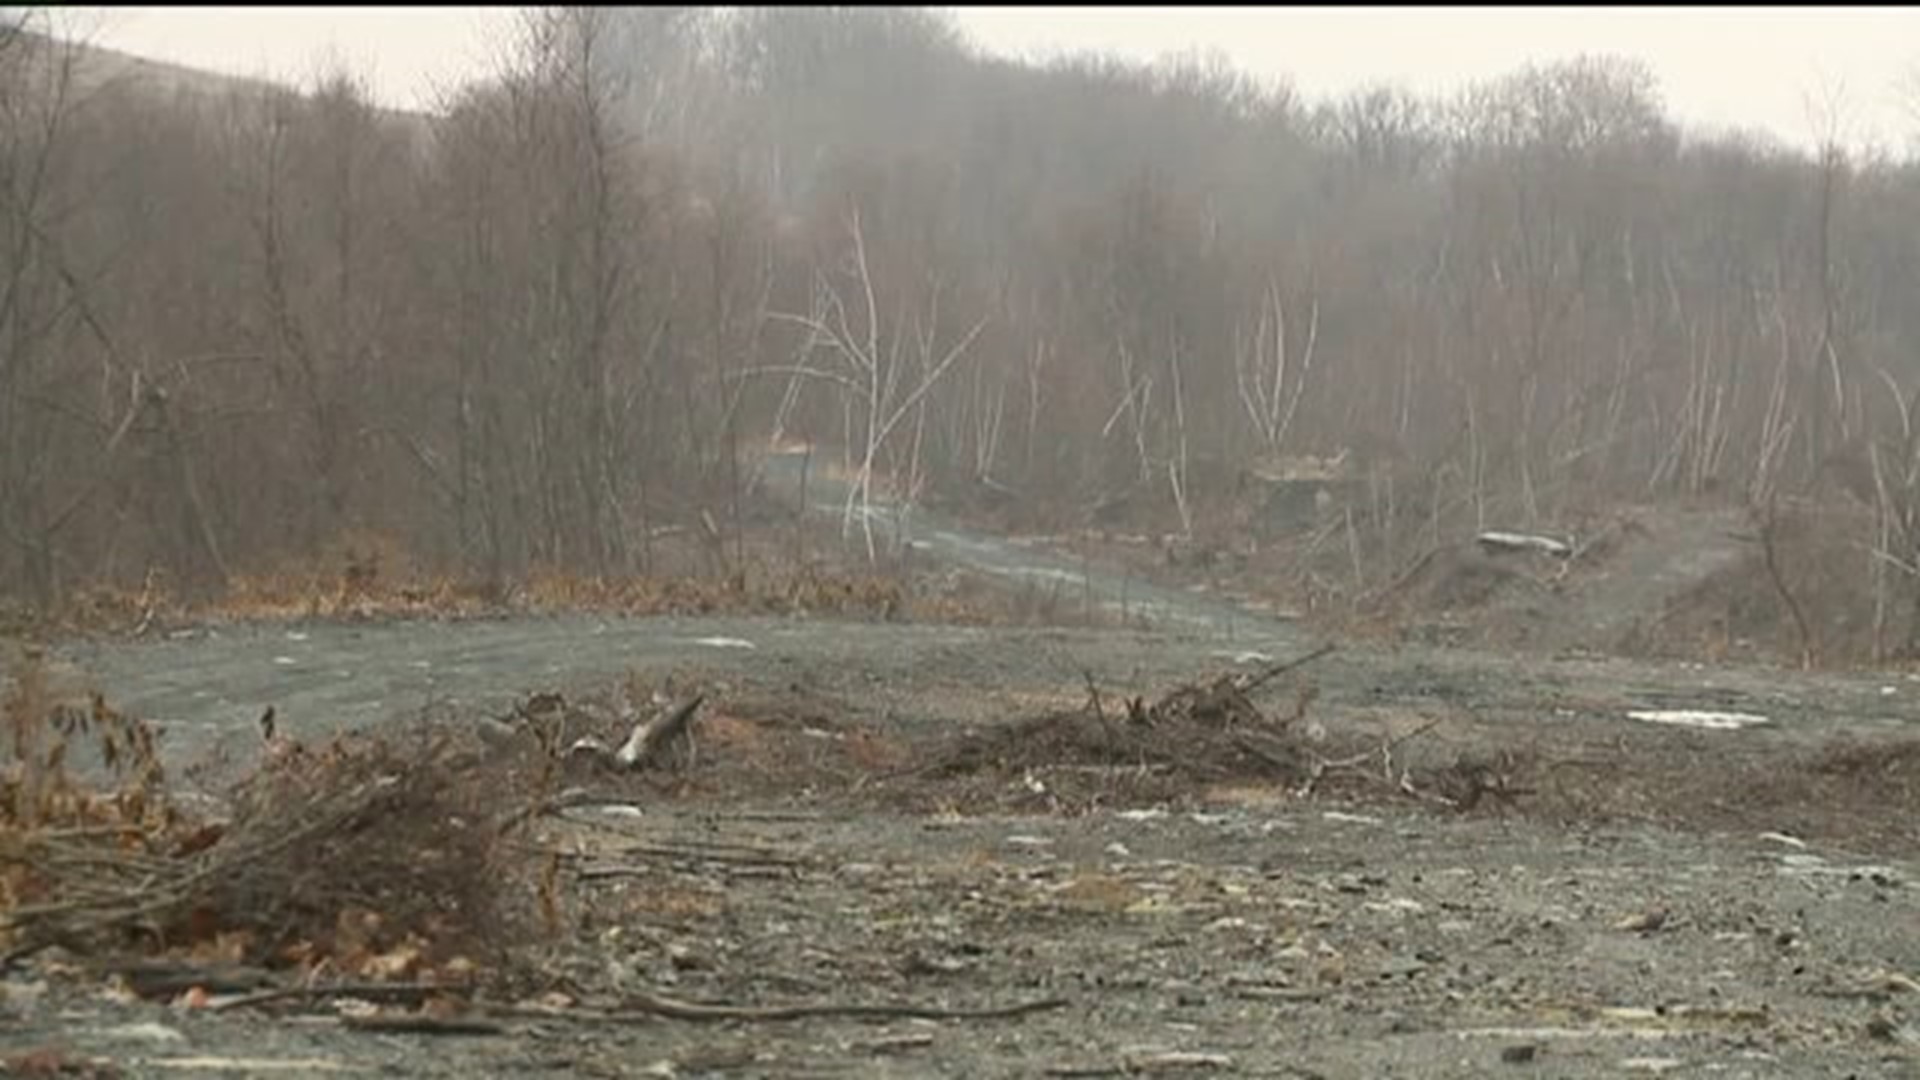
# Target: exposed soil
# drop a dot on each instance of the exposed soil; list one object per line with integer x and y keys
{"x": 1407, "y": 860}
{"x": 1641, "y": 581}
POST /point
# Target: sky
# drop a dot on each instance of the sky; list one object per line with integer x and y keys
{"x": 1775, "y": 69}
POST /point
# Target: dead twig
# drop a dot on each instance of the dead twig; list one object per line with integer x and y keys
{"x": 1261, "y": 678}
{"x": 548, "y": 804}
{"x": 1252, "y": 747}
{"x": 1322, "y": 766}
{"x": 1470, "y": 780}
{"x": 421, "y": 1024}
{"x": 164, "y": 979}
{"x": 368, "y": 991}
{"x": 649, "y": 1004}
{"x": 688, "y": 854}
{"x": 1280, "y": 993}
{"x": 602, "y": 871}
{"x": 1093, "y": 697}
{"x": 1132, "y": 1065}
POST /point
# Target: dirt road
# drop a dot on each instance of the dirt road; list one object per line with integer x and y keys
{"x": 1243, "y": 933}
{"x": 208, "y": 685}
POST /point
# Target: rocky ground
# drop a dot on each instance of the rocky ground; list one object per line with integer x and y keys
{"x": 926, "y": 850}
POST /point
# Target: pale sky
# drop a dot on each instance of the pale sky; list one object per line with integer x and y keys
{"x": 1757, "y": 67}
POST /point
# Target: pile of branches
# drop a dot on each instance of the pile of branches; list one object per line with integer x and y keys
{"x": 365, "y": 844}
{"x": 1208, "y": 731}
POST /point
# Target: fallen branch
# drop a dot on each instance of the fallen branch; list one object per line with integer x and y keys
{"x": 1135, "y": 1065}
{"x": 1322, "y": 766}
{"x": 1498, "y": 543}
{"x": 648, "y": 1004}
{"x": 552, "y": 804}
{"x": 1280, "y": 993}
{"x": 248, "y": 1066}
{"x": 165, "y": 979}
{"x": 385, "y": 992}
{"x": 1252, "y": 747}
{"x": 1274, "y": 671}
{"x": 734, "y": 854}
{"x": 769, "y": 815}
{"x": 646, "y": 739}
{"x": 420, "y": 1024}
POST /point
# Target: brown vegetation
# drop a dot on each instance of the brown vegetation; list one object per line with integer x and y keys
{"x": 363, "y": 856}
{"x": 536, "y": 328}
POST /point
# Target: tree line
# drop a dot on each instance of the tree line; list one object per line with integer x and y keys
{"x": 551, "y": 318}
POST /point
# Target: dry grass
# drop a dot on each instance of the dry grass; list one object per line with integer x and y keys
{"x": 770, "y": 587}
{"x": 295, "y": 596}
{"x": 371, "y": 578}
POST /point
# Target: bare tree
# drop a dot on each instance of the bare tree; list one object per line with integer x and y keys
{"x": 1270, "y": 385}
{"x": 883, "y": 369}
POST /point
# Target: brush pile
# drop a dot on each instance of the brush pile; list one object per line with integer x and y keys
{"x": 362, "y": 854}
{"x": 1197, "y": 733}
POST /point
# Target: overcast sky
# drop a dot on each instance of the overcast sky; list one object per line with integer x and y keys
{"x": 1755, "y": 67}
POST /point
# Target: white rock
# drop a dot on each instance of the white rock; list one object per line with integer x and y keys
{"x": 1712, "y": 721}
{"x": 145, "y": 1032}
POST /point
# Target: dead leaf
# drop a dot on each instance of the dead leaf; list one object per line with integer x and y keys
{"x": 397, "y": 963}
{"x": 200, "y": 840}
{"x": 442, "y": 1007}
{"x": 227, "y": 947}
{"x": 458, "y": 970}
{"x": 355, "y": 931}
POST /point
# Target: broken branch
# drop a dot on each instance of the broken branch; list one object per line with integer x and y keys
{"x": 653, "y": 1004}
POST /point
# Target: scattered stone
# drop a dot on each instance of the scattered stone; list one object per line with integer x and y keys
{"x": 1883, "y": 1028}
{"x": 148, "y": 1031}
{"x": 1645, "y": 922}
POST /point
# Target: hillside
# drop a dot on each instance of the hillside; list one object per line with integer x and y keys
{"x": 96, "y": 69}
